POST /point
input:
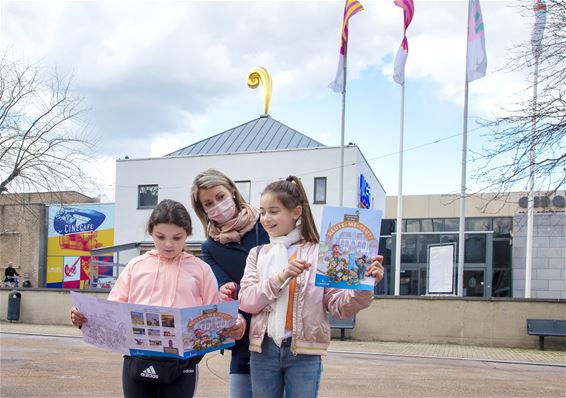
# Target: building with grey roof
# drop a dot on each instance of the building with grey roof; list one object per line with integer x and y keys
{"x": 253, "y": 154}
{"x": 261, "y": 134}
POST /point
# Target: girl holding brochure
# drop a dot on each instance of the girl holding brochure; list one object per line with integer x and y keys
{"x": 166, "y": 276}
{"x": 232, "y": 229}
{"x": 289, "y": 329}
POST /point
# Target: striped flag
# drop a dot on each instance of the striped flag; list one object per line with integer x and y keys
{"x": 477, "y": 59}
{"x": 401, "y": 58}
{"x": 538, "y": 29}
{"x": 351, "y": 8}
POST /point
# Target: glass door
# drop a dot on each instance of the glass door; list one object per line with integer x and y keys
{"x": 474, "y": 283}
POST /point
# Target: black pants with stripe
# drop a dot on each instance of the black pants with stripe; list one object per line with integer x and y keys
{"x": 183, "y": 386}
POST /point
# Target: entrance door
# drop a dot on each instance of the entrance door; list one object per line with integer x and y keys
{"x": 474, "y": 283}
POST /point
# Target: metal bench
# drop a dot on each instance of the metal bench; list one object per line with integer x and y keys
{"x": 545, "y": 327}
{"x": 342, "y": 324}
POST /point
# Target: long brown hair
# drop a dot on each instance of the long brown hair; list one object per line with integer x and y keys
{"x": 291, "y": 194}
{"x": 209, "y": 179}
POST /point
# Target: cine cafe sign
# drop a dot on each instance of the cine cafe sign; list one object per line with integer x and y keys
{"x": 364, "y": 200}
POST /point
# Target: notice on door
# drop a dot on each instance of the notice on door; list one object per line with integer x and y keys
{"x": 440, "y": 269}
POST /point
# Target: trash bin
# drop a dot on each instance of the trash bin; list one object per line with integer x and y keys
{"x": 27, "y": 282}
{"x": 14, "y": 299}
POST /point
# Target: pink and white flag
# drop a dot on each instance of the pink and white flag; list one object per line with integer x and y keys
{"x": 401, "y": 58}
{"x": 351, "y": 8}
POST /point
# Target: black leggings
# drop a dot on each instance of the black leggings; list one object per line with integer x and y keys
{"x": 183, "y": 386}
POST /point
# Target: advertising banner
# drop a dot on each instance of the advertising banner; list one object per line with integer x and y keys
{"x": 74, "y": 230}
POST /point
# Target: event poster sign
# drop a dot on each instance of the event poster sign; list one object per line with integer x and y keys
{"x": 349, "y": 241}
{"x": 145, "y": 330}
{"x": 441, "y": 268}
{"x": 73, "y": 231}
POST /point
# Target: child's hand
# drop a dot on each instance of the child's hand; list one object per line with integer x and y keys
{"x": 376, "y": 269}
{"x": 77, "y": 318}
{"x": 295, "y": 268}
{"x": 238, "y": 330}
{"x": 228, "y": 292}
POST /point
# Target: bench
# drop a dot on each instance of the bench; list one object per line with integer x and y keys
{"x": 545, "y": 327}
{"x": 342, "y": 324}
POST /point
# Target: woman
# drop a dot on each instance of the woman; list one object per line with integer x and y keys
{"x": 232, "y": 229}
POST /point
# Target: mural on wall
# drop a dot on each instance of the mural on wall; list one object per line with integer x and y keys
{"x": 73, "y": 231}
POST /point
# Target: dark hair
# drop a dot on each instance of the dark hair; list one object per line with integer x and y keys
{"x": 170, "y": 212}
{"x": 291, "y": 194}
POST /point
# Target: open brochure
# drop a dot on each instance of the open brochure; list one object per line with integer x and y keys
{"x": 349, "y": 241}
{"x": 138, "y": 330}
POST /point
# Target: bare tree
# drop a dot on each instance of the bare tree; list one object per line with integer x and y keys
{"x": 43, "y": 143}
{"x": 506, "y": 162}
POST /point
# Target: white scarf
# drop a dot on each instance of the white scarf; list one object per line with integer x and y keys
{"x": 273, "y": 262}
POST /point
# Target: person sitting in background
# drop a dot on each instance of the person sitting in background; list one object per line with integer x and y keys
{"x": 10, "y": 273}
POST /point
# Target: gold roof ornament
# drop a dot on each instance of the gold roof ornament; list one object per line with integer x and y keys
{"x": 255, "y": 76}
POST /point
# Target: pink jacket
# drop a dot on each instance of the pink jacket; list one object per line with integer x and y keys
{"x": 311, "y": 329}
{"x": 185, "y": 281}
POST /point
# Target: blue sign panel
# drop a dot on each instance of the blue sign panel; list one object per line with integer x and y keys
{"x": 365, "y": 193}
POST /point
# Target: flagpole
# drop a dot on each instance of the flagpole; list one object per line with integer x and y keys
{"x": 530, "y": 212}
{"x": 399, "y": 225}
{"x": 342, "y": 131}
{"x": 461, "y": 234}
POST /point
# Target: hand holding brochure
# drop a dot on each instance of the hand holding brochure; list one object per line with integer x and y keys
{"x": 349, "y": 241}
{"x": 137, "y": 329}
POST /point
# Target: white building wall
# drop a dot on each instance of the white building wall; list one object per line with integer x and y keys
{"x": 174, "y": 177}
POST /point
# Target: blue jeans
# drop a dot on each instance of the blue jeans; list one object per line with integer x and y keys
{"x": 240, "y": 385}
{"x": 276, "y": 371}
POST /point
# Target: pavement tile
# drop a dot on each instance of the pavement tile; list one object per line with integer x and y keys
{"x": 376, "y": 347}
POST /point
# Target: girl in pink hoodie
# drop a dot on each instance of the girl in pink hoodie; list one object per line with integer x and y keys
{"x": 289, "y": 329}
{"x": 166, "y": 276}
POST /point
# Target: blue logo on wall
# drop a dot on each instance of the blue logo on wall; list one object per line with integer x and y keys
{"x": 365, "y": 193}
{"x": 71, "y": 220}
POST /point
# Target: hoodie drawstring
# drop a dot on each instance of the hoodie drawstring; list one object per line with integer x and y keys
{"x": 170, "y": 304}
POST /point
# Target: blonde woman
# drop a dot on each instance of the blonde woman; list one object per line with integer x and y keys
{"x": 232, "y": 229}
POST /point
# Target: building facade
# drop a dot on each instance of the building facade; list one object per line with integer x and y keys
{"x": 265, "y": 150}
{"x": 23, "y": 230}
{"x": 495, "y": 243}
{"x": 253, "y": 155}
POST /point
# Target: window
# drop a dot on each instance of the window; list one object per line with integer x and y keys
{"x": 422, "y": 246}
{"x": 451, "y": 224}
{"x": 147, "y": 196}
{"x": 502, "y": 253}
{"x": 478, "y": 224}
{"x": 409, "y": 249}
{"x": 502, "y": 226}
{"x": 245, "y": 188}
{"x": 426, "y": 225}
{"x": 413, "y": 226}
{"x": 475, "y": 248}
{"x": 319, "y": 190}
{"x": 438, "y": 224}
{"x": 387, "y": 227}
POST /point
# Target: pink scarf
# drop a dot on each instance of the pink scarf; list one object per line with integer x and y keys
{"x": 233, "y": 230}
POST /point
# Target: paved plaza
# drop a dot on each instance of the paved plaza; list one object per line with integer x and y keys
{"x": 52, "y": 361}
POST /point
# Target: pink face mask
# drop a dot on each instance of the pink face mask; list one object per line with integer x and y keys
{"x": 223, "y": 211}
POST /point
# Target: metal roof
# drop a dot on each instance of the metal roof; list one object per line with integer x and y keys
{"x": 261, "y": 134}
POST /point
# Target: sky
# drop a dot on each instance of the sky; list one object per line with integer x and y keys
{"x": 158, "y": 76}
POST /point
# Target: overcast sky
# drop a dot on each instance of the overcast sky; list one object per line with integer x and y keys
{"x": 158, "y": 76}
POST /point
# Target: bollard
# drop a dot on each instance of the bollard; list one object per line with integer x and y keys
{"x": 14, "y": 299}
